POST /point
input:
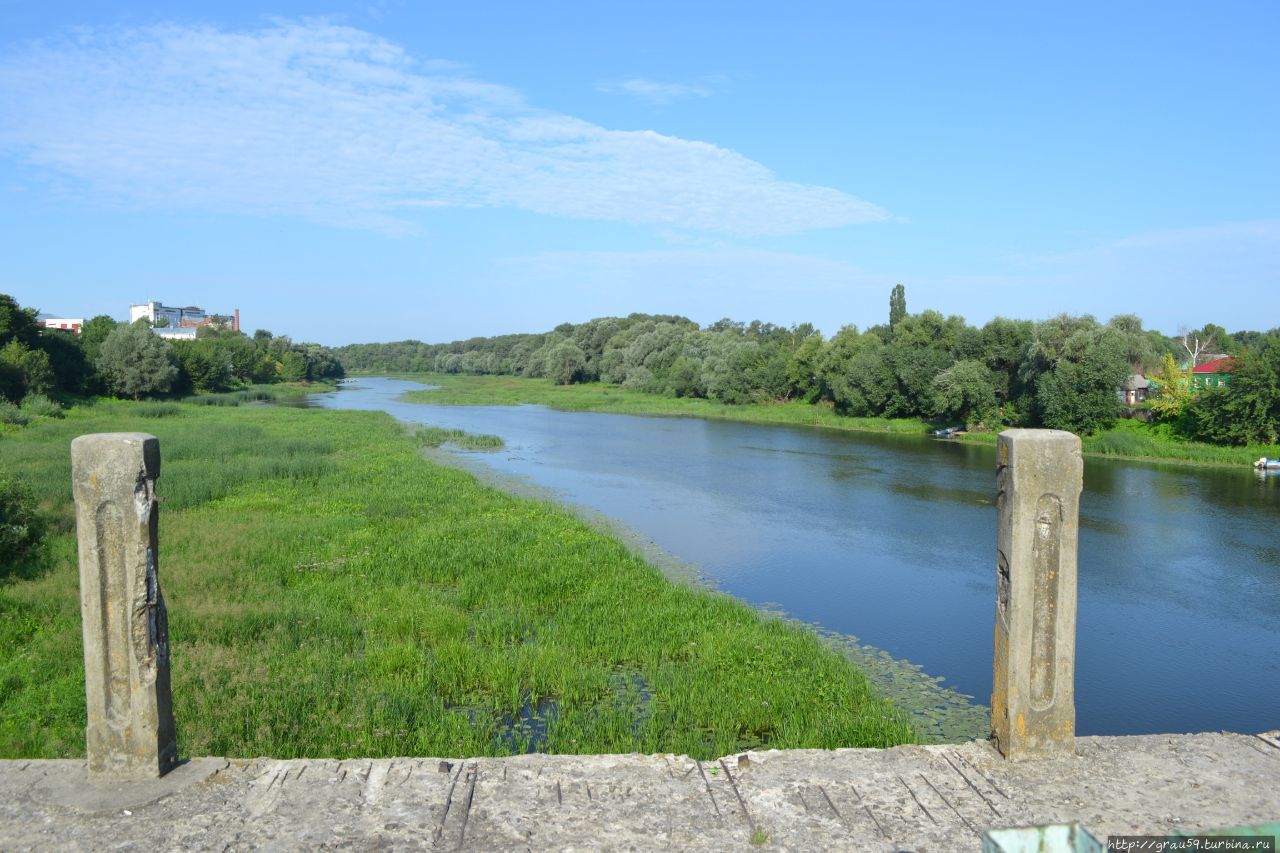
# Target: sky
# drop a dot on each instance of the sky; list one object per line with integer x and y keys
{"x": 350, "y": 172}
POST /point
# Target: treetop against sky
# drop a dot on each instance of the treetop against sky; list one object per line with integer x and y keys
{"x": 359, "y": 171}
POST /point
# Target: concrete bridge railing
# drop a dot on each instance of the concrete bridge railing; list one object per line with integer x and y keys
{"x": 131, "y": 733}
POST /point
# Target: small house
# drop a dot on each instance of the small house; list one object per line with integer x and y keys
{"x": 1135, "y": 390}
{"x": 1212, "y": 374}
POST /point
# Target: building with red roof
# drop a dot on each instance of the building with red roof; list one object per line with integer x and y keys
{"x": 1212, "y": 374}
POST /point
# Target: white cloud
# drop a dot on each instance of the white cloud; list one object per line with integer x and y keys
{"x": 654, "y": 92}
{"x": 339, "y": 126}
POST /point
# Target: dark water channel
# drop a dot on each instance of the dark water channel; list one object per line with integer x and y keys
{"x": 892, "y": 540}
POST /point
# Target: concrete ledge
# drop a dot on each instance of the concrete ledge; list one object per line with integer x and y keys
{"x": 915, "y": 798}
{"x": 65, "y": 784}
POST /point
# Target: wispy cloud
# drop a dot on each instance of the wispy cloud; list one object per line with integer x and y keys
{"x": 339, "y": 126}
{"x": 654, "y": 92}
{"x": 1221, "y": 240}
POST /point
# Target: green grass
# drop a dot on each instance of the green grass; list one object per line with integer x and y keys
{"x": 1137, "y": 440}
{"x": 333, "y": 593}
{"x": 253, "y": 394}
{"x": 433, "y": 436}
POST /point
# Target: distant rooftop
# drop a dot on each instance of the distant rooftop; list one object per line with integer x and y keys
{"x": 1218, "y": 365}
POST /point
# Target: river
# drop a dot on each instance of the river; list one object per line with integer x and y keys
{"x": 892, "y": 539}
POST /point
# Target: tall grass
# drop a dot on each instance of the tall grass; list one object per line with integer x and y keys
{"x": 433, "y": 436}
{"x": 253, "y": 394}
{"x": 1138, "y": 440}
{"x": 332, "y": 593}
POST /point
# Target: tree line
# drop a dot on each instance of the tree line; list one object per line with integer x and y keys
{"x": 1065, "y": 372}
{"x": 39, "y": 366}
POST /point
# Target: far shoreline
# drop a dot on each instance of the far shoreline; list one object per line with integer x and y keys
{"x": 497, "y": 390}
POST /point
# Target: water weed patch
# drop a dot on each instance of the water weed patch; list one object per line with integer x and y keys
{"x": 433, "y": 436}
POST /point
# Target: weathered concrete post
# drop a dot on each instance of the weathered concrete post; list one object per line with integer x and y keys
{"x": 1039, "y": 477}
{"x": 130, "y": 733}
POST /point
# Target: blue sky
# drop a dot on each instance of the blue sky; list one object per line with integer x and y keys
{"x": 347, "y": 172}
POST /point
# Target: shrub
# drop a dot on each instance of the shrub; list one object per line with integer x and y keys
{"x": 11, "y": 414}
{"x": 20, "y": 526}
{"x": 40, "y": 406}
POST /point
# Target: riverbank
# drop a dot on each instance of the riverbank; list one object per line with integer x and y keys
{"x": 332, "y": 593}
{"x": 939, "y": 714}
{"x": 1129, "y": 439}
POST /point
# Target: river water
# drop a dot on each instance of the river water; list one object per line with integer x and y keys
{"x": 892, "y": 539}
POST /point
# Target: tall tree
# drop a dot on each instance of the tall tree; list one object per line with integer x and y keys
{"x": 18, "y": 323}
{"x": 136, "y": 362}
{"x": 1198, "y": 343}
{"x": 1173, "y": 389}
{"x": 564, "y": 362}
{"x": 897, "y": 305}
{"x": 1080, "y": 392}
{"x": 966, "y": 390}
{"x": 24, "y": 371}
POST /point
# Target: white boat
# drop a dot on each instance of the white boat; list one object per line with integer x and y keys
{"x": 1265, "y": 464}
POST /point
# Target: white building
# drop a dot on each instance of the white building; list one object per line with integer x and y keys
{"x": 74, "y": 325}
{"x": 176, "y": 323}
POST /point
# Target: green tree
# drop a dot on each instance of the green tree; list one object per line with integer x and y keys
{"x": 71, "y": 369}
{"x": 966, "y": 391}
{"x": 1004, "y": 342}
{"x": 855, "y": 372}
{"x": 1247, "y": 410}
{"x": 136, "y": 362}
{"x": 564, "y": 362}
{"x": 93, "y": 333}
{"x": 803, "y": 366}
{"x": 293, "y": 367}
{"x": 20, "y": 525}
{"x": 24, "y": 371}
{"x": 1173, "y": 389}
{"x": 18, "y": 323}
{"x": 1080, "y": 392}
{"x": 684, "y": 379}
{"x": 204, "y": 366}
{"x": 921, "y": 347}
{"x": 1134, "y": 342}
{"x": 897, "y": 305}
{"x": 725, "y": 368}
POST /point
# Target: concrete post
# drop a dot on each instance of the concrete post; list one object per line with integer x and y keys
{"x": 130, "y": 731}
{"x": 1038, "y": 482}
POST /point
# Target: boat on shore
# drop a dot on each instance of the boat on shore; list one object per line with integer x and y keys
{"x": 1265, "y": 464}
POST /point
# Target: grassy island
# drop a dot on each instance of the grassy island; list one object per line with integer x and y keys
{"x": 333, "y": 593}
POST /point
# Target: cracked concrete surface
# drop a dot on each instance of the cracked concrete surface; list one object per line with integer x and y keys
{"x": 906, "y": 798}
